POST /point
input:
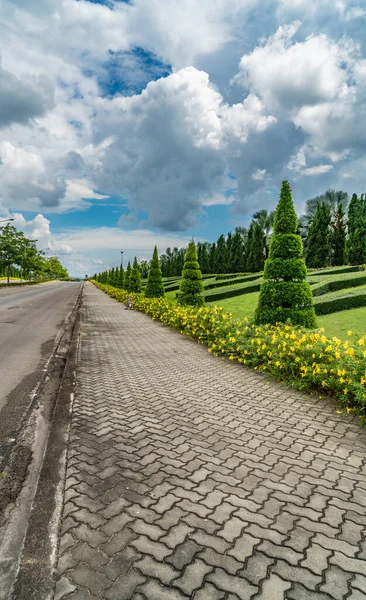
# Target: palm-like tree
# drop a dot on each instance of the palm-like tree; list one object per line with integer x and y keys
{"x": 265, "y": 219}
{"x": 332, "y": 198}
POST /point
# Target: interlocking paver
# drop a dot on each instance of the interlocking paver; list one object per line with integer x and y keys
{"x": 192, "y": 477}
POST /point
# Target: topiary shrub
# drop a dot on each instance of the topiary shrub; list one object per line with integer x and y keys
{"x": 135, "y": 278}
{"x": 155, "y": 286}
{"x": 191, "y": 286}
{"x": 285, "y": 295}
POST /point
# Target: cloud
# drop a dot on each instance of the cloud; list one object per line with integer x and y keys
{"x": 99, "y": 248}
{"x": 290, "y": 75}
{"x": 318, "y": 170}
{"x": 168, "y": 147}
{"x": 21, "y": 101}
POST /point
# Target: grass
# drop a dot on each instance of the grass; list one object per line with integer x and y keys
{"x": 239, "y": 306}
{"x": 337, "y": 324}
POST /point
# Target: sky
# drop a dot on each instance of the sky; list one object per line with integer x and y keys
{"x": 125, "y": 124}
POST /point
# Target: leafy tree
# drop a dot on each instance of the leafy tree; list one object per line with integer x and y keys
{"x": 54, "y": 269}
{"x": 128, "y": 277}
{"x": 111, "y": 278}
{"x": 121, "y": 278}
{"x": 221, "y": 258}
{"x": 237, "y": 254}
{"x": 135, "y": 278}
{"x": 144, "y": 268}
{"x": 12, "y": 247}
{"x": 285, "y": 294}
{"x": 265, "y": 219}
{"x": 155, "y": 286}
{"x": 256, "y": 249}
{"x": 331, "y": 198}
{"x": 205, "y": 260}
{"x": 191, "y": 286}
{"x": 338, "y": 237}
{"x": 212, "y": 258}
{"x": 356, "y": 243}
{"x": 318, "y": 245}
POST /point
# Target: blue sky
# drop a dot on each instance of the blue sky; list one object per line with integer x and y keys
{"x": 129, "y": 124}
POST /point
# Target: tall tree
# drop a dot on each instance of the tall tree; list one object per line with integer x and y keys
{"x": 332, "y": 199}
{"x": 338, "y": 237}
{"x": 121, "y": 278}
{"x": 205, "y": 261}
{"x": 155, "y": 286}
{"x": 191, "y": 286}
{"x": 318, "y": 243}
{"x": 356, "y": 243}
{"x": 135, "y": 278}
{"x": 237, "y": 254}
{"x": 265, "y": 219}
{"x": 212, "y": 258}
{"x": 285, "y": 294}
{"x": 221, "y": 258}
{"x": 256, "y": 250}
{"x": 127, "y": 277}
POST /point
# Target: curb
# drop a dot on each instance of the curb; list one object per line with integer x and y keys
{"x": 29, "y": 541}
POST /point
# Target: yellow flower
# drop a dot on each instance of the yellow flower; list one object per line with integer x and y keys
{"x": 345, "y": 391}
{"x": 350, "y": 332}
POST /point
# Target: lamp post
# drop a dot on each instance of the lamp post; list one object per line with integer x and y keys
{"x": 6, "y": 220}
{"x": 122, "y": 258}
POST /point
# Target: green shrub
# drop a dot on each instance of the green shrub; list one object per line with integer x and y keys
{"x": 135, "y": 278}
{"x": 155, "y": 286}
{"x": 191, "y": 285}
{"x": 285, "y": 295}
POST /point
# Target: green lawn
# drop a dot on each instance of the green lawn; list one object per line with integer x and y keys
{"x": 338, "y": 323}
{"x": 239, "y": 306}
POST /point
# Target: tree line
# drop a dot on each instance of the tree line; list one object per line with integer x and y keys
{"x": 20, "y": 258}
{"x": 333, "y": 232}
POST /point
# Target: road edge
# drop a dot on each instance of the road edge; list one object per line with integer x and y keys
{"x": 37, "y": 510}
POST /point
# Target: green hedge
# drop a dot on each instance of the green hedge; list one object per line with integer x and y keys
{"x": 16, "y": 283}
{"x": 232, "y": 291}
{"x": 235, "y": 281}
{"x": 338, "y": 284}
{"x": 339, "y": 301}
{"x": 231, "y": 275}
{"x": 334, "y": 271}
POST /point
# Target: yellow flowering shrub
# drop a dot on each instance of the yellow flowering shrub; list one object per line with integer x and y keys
{"x": 306, "y": 359}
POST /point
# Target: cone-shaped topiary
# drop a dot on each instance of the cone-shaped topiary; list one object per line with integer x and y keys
{"x": 191, "y": 285}
{"x": 127, "y": 277}
{"x": 121, "y": 278}
{"x": 155, "y": 286}
{"x": 285, "y": 294}
{"x": 135, "y": 278}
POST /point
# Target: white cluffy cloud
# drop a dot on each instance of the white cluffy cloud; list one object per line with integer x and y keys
{"x": 168, "y": 147}
{"x": 289, "y": 75}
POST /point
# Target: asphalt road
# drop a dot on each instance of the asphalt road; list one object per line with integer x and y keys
{"x": 30, "y": 318}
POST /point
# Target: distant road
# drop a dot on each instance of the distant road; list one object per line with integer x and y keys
{"x": 30, "y": 318}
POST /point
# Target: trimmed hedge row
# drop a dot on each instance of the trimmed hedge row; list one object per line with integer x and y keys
{"x": 341, "y": 300}
{"x": 334, "y": 271}
{"x": 230, "y": 275}
{"x": 338, "y": 284}
{"x": 230, "y": 292}
{"x": 16, "y": 283}
{"x": 236, "y": 281}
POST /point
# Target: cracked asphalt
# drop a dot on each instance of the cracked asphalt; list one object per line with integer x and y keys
{"x": 192, "y": 477}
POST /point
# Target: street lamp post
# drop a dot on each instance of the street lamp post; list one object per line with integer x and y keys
{"x": 6, "y": 220}
{"x": 122, "y": 258}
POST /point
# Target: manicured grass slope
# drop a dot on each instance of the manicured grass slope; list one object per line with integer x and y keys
{"x": 339, "y": 296}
